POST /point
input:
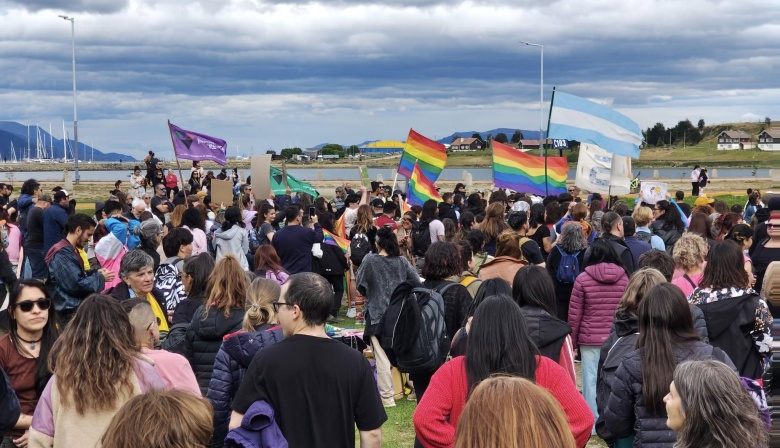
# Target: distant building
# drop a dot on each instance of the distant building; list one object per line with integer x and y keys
{"x": 769, "y": 140}
{"x": 735, "y": 140}
{"x": 466, "y": 144}
{"x": 383, "y": 147}
{"x": 527, "y": 145}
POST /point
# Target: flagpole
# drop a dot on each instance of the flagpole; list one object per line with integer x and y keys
{"x": 178, "y": 163}
{"x": 395, "y": 180}
{"x": 284, "y": 176}
{"x": 549, "y": 116}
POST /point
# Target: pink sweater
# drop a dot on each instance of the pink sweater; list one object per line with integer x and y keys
{"x": 437, "y": 414}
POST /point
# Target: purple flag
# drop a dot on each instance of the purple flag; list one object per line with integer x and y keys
{"x": 193, "y": 146}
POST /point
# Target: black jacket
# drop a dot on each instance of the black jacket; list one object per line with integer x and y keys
{"x": 9, "y": 404}
{"x": 670, "y": 235}
{"x": 547, "y": 332}
{"x": 726, "y": 323}
{"x": 562, "y": 290}
{"x": 447, "y": 211}
{"x": 333, "y": 262}
{"x": 203, "y": 339}
{"x": 625, "y": 413}
{"x": 622, "y": 250}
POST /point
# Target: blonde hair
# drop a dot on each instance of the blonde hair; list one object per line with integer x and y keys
{"x": 690, "y": 251}
{"x": 642, "y": 216}
{"x": 226, "y": 286}
{"x": 511, "y": 412}
{"x": 365, "y": 219}
{"x": 260, "y": 296}
{"x": 508, "y": 245}
{"x": 641, "y": 282}
{"x": 176, "y": 215}
{"x": 161, "y": 419}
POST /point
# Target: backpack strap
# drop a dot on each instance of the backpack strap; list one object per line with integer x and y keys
{"x": 442, "y": 289}
{"x": 469, "y": 279}
{"x": 685, "y": 276}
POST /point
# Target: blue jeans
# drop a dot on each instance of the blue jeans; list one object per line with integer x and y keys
{"x": 590, "y": 364}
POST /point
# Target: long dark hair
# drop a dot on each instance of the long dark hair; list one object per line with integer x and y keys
{"x": 602, "y": 252}
{"x": 489, "y": 288}
{"x": 499, "y": 342}
{"x": 536, "y": 216}
{"x": 725, "y": 267}
{"x": 199, "y": 268}
{"x": 671, "y": 218}
{"x": 533, "y": 286}
{"x": 387, "y": 241}
{"x": 665, "y": 323}
{"x": 232, "y": 218}
{"x": 49, "y": 336}
{"x": 700, "y": 225}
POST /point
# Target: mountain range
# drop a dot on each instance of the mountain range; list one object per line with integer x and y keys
{"x": 16, "y": 133}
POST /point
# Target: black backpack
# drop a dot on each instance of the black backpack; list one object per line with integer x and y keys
{"x": 412, "y": 331}
{"x": 421, "y": 238}
{"x": 359, "y": 247}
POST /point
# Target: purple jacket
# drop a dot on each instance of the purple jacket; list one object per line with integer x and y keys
{"x": 594, "y": 299}
{"x": 258, "y": 429}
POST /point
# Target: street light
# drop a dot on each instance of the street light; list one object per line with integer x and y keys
{"x": 541, "y": 90}
{"x": 72, "y": 21}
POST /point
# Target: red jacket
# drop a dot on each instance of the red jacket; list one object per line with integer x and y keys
{"x": 594, "y": 299}
{"x": 437, "y": 414}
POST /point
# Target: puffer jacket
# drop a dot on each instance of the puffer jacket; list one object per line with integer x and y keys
{"x": 594, "y": 299}
{"x": 547, "y": 332}
{"x": 625, "y": 413}
{"x": 203, "y": 339}
{"x": 237, "y": 351}
{"x": 233, "y": 241}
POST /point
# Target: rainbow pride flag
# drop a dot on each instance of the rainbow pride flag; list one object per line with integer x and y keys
{"x": 420, "y": 188}
{"x": 524, "y": 173}
{"x": 340, "y": 226}
{"x": 335, "y": 240}
{"x": 429, "y": 154}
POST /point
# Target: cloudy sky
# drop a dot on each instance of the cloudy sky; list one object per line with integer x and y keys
{"x": 270, "y": 74}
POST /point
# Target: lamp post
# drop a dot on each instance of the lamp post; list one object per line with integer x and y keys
{"x": 72, "y": 21}
{"x": 541, "y": 91}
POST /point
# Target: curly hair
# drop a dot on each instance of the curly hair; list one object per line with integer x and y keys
{"x": 571, "y": 239}
{"x": 690, "y": 251}
{"x": 93, "y": 359}
{"x": 442, "y": 260}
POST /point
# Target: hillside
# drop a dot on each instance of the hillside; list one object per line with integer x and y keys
{"x": 16, "y": 133}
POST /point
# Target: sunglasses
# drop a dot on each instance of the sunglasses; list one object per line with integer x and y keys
{"x": 27, "y": 306}
{"x": 146, "y": 197}
{"x": 156, "y": 320}
{"x": 276, "y": 305}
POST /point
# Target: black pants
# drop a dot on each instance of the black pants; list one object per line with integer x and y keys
{"x": 694, "y": 188}
{"x": 168, "y": 191}
{"x": 337, "y": 282}
{"x": 37, "y": 263}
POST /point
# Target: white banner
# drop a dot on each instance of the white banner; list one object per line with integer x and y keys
{"x": 601, "y": 172}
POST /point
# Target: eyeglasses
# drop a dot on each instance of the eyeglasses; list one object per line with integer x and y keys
{"x": 181, "y": 275}
{"x": 27, "y": 306}
{"x": 156, "y": 320}
{"x": 276, "y": 305}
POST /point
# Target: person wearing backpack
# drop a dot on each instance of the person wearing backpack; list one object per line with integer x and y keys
{"x": 377, "y": 278}
{"x": 497, "y": 318}
{"x": 564, "y": 264}
{"x": 467, "y": 278}
{"x": 635, "y": 412}
{"x": 362, "y": 236}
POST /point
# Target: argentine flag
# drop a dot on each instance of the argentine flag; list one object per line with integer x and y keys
{"x": 575, "y": 118}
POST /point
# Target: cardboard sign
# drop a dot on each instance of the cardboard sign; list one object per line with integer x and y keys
{"x": 261, "y": 176}
{"x": 364, "y": 178}
{"x": 222, "y": 192}
{"x": 653, "y": 192}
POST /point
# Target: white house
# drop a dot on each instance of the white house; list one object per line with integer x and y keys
{"x": 735, "y": 140}
{"x": 769, "y": 140}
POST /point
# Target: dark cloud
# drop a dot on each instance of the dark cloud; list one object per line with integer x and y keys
{"x": 93, "y": 6}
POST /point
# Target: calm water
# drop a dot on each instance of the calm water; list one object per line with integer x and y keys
{"x": 312, "y": 174}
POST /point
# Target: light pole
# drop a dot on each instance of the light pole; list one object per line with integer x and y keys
{"x": 75, "y": 114}
{"x": 541, "y": 91}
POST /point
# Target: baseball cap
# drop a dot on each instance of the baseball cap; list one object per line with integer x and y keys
{"x": 703, "y": 200}
{"x": 60, "y": 195}
{"x": 377, "y": 203}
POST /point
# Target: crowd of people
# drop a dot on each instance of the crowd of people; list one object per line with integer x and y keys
{"x": 166, "y": 320}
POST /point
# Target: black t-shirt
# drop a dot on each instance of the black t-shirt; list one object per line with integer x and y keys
{"x": 319, "y": 389}
{"x": 156, "y": 200}
{"x": 531, "y": 252}
{"x": 34, "y": 238}
{"x": 541, "y": 233}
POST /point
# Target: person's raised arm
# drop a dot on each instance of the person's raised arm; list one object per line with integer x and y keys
{"x": 363, "y": 195}
{"x": 371, "y": 439}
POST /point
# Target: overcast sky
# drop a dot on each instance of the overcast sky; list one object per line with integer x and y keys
{"x": 263, "y": 74}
